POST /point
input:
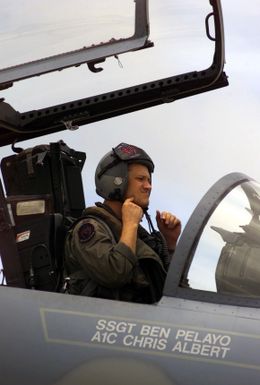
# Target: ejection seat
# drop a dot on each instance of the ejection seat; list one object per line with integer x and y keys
{"x": 44, "y": 194}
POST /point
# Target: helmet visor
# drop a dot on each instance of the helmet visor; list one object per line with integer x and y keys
{"x": 129, "y": 153}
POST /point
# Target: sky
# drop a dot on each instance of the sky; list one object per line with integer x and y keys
{"x": 193, "y": 141}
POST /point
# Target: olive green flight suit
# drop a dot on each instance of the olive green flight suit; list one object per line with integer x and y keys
{"x": 100, "y": 266}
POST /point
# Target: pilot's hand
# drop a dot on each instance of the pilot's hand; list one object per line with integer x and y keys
{"x": 170, "y": 227}
{"x": 131, "y": 217}
{"x": 131, "y": 213}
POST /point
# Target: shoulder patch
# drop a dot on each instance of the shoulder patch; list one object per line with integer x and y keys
{"x": 86, "y": 232}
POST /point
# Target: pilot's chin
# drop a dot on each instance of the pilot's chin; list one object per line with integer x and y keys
{"x": 145, "y": 206}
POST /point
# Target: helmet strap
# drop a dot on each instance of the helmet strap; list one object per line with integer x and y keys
{"x": 149, "y": 221}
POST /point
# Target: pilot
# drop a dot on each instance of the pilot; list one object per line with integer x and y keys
{"x": 108, "y": 254}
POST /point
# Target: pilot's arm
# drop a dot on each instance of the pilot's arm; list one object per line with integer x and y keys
{"x": 106, "y": 262}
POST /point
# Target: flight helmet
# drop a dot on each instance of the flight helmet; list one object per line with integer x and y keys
{"x": 111, "y": 176}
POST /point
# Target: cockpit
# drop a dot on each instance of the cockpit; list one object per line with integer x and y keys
{"x": 48, "y": 200}
{"x": 217, "y": 255}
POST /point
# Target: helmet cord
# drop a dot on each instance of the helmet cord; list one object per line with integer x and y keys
{"x": 149, "y": 221}
{"x": 163, "y": 251}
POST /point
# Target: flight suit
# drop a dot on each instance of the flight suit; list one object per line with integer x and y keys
{"x": 100, "y": 266}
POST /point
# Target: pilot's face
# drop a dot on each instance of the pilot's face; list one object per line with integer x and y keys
{"x": 139, "y": 184}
